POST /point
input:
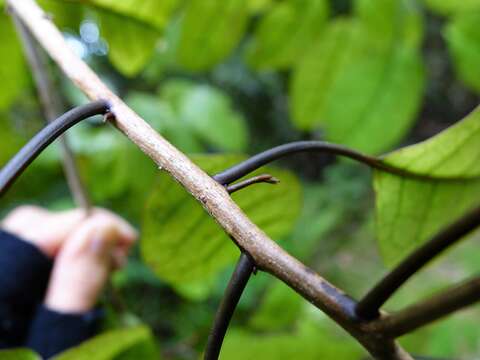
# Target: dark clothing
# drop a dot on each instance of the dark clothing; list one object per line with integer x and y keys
{"x": 24, "y": 274}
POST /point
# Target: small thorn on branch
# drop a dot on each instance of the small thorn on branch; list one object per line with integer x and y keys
{"x": 265, "y": 178}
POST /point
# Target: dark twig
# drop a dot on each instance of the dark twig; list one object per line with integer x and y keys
{"x": 45, "y": 137}
{"x": 52, "y": 108}
{"x": 237, "y": 284}
{"x": 266, "y": 178}
{"x": 368, "y": 307}
{"x": 432, "y": 309}
{"x": 243, "y": 270}
{"x": 238, "y": 171}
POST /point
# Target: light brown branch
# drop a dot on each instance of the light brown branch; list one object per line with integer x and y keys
{"x": 52, "y": 108}
{"x": 267, "y": 255}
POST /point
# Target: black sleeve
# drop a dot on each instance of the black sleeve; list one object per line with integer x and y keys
{"x": 52, "y": 332}
{"x": 24, "y": 273}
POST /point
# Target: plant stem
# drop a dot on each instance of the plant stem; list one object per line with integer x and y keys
{"x": 238, "y": 171}
{"x": 236, "y": 286}
{"x": 14, "y": 168}
{"x": 268, "y": 179}
{"x": 52, "y": 108}
{"x": 430, "y": 310}
{"x": 368, "y": 307}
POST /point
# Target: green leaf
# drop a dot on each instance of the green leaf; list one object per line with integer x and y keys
{"x": 286, "y": 32}
{"x": 193, "y": 116}
{"x": 181, "y": 243}
{"x": 100, "y": 152}
{"x": 463, "y": 39}
{"x": 206, "y": 112}
{"x": 110, "y": 166}
{"x": 153, "y": 12}
{"x": 164, "y": 58}
{"x": 450, "y": 154}
{"x": 448, "y": 7}
{"x": 341, "y": 42}
{"x": 210, "y": 114}
{"x": 65, "y": 14}
{"x": 18, "y": 354}
{"x": 365, "y": 96}
{"x": 397, "y": 22}
{"x": 13, "y": 74}
{"x": 244, "y": 345}
{"x": 278, "y": 309}
{"x": 175, "y": 91}
{"x": 210, "y": 32}
{"x": 453, "y": 336}
{"x": 11, "y": 140}
{"x": 163, "y": 117}
{"x": 131, "y": 48}
{"x": 257, "y": 6}
{"x": 409, "y": 211}
{"x": 116, "y": 344}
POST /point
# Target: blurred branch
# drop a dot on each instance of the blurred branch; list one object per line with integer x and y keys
{"x": 52, "y": 108}
{"x": 14, "y": 168}
{"x": 368, "y": 307}
{"x": 430, "y": 310}
{"x": 236, "y": 286}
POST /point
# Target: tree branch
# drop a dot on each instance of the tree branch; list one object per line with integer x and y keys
{"x": 213, "y": 196}
{"x": 432, "y": 309}
{"x": 238, "y": 171}
{"x": 268, "y": 179}
{"x": 235, "y": 288}
{"x": 52, "y": 108}
{"x": 14, "y": 168}
{"x": 266, "y": 254}
{"x": 368, "y": 307}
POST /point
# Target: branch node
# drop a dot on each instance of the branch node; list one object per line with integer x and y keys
{"x": 265, "y": 178}
{"x": 108, "y": 116}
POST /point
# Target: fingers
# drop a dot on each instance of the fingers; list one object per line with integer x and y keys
{"x": 123, "y": 234}
{"x": 48, "y": 230}
{"x": 128, "y": 234}
{"x": 100, "y": 243}
{"x": 66, "y": 221}
{"x": 44, "y": 229}
{"x": 22, "y": 216}
{"x": 103, "y": 233}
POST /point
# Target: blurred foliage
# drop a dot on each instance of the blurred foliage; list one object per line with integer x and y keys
{"x": 129, "y": 343}
{"x": 281, "y": 37}
{"x": 12, "y": 71}
{"x": 205, "y": 43}
{"x": 18, "y": 354}
{"x": 448, "y": 7}
{"x": 219, "y": 79}
{"x": 380, "y": 47}
{"x": 463, "y": 37}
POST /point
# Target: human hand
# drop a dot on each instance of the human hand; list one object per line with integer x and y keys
{"x": 83, "y": 264}
{"x": 42, "y": 228}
